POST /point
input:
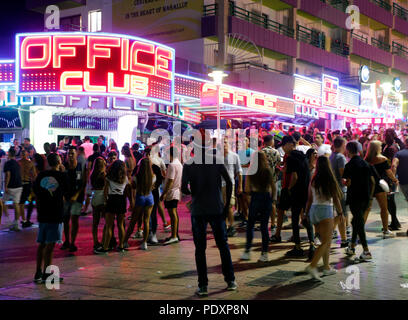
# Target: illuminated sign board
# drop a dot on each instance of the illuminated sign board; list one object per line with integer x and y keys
{"x": 306, "y": 111}
{"x": 8, "y": 98}
{"x": 7, "y": 70}
{"x": 330, "y": 91}
{"x": 94, "y": 64}
{"x": 348, "y": 109}
{"x": 307, "y": 100}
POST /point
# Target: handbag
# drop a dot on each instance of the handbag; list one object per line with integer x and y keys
{"x": 382, "y": 183}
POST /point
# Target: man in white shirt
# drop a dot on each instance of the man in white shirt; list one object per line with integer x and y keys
{"x": 172, "y": 194}
{"x": 88, "y": 147}
{"x": 233, "y": 166}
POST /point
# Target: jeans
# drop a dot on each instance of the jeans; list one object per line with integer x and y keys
{"x": 295, "y": 225}
{"x": 199, "y": 226}
{"x": 153, "y": 215}
{"x": 357, "y": 210}
{"x": 261, "y": 203}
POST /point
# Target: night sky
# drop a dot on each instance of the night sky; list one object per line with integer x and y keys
{"x": 15, "y": 18}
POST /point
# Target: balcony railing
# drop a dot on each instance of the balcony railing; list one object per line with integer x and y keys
{"x": 263, "y": 21}
{"x": 382, "y": 4}
{"x": 239, "y": 66}
{"x": 399, "y": 11}
{"x": 310, "y": 36}
{"x": 340, "y": 48}
{"x": 359, "y": 37}
{"x": 399, "y": 49}
{"x": 380, "y": 44}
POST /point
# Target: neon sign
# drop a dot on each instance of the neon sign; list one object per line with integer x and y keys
{"x": 306, "y": 111}
{"x": 306, "y": 100}
{"x": 241, "y": 97}
{"x": 97, "y": 64}
{"x": 348, "y": 109}
{"x": 6, "y": 72}
{"x": 330, "y": 91}
{"x": 173, "y": 111}
{"x": 9, "y": 98}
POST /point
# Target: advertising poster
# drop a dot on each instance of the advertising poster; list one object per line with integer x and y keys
{"x": 164, "y": 21}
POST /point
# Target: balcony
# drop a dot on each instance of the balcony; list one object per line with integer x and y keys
{"x": 376, "y": 10}
{"x": 340, "y": 48}
{"x": 401, "y": 19}
{"x": 362, "y": 48}
{"x": 263, "y": 32}
{"x": 326, "y": 12}
{"x": 399, "y": 50}
{"x": 380, "y": 44}
{"x": 312, "y": 37}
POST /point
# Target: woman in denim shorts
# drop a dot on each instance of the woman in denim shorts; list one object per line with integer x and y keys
{"x": 143, "y": 182}
{"x": 323, "y": 191}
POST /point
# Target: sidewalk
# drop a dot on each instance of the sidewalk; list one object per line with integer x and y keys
{"x": 168, "y": 272}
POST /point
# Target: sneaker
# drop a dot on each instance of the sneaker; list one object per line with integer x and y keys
{"x": 143, "y": 246}
{"x": 26, "y": 224}
{"x": 167, "y": 226}
{"x": 295, "y": 252}
{"x": 344, "y": 244}
{"x": 96, "y": 246}
{"x": 317, "y": 241}
{"x": 311, "y": 252}
{"x": 348, "y": 231}
{"x": 387, "y": 234}
{"x": 138, "y": 234}
{"x": 277, "y": 239}
{"x": 100, "y": 250}
{"x": 329, "y": 272}
{"x": 123, "y": 249}
{"x": 202, "y": 291}
{"x": 246, "y": 255}
{"x": 390, "y": 227}
{"x": 38, "y": 277}
{"x": 365, "y": 256}
{"x": 14, "y": 227}
{"x": 243, "y": 224}
{"x": 65, "y": 245}
{"x": 313, "y": 273}
{"x": 263, "y": 257}
{"x": 335, "y": 234}
{"x": 273, "y": 229}
{"x": 73, "y": 248}
{"x": 350, "y": 251}
{"x": 153, "y": 239}
{"x": 171, "y": 240}
{"x": 126, "y": 245}
{"x": 231, "y": 232}
{"x": 232, "y": 286}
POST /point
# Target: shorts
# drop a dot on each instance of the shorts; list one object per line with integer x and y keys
{"x": 171, "y": 204}
{"x": 116, "y": 204}
{"x": 25, "y": 193}
{"x": 13, "y": 194}
{"x": 285, "y": 200}
{"x": 98, "y": 198}
{"x": 49, "y": 232}
{"x": 319, "y": 212}
{"x": 144, "y": 201}
{"x": 224, "y": 196}
{"x": 72, "y": 208}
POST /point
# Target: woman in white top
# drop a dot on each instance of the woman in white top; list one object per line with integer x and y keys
{"x": 117, "y": 188}
{"x": 323, "y": 191}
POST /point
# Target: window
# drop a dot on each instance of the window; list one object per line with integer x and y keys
{"x": 95, "y": 21}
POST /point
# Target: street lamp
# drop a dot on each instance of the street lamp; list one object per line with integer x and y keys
{"x": 217, "y": 76}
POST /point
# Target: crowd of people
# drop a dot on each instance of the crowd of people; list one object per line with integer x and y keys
{"x": 313, "y": 175}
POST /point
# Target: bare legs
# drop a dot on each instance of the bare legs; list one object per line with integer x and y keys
{"x": 325, "y": 228}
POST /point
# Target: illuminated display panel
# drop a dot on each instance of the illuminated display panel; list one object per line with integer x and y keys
{"x": 7, "y": 72}
{"x": 330, "y": 91}
{"x": 94, "y": 64}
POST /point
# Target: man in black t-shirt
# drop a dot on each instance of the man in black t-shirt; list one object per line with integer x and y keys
{"x": 49, "y": 188}
{"x": 75, "y": 198}
{"x": 360, "y": 188}
{"x": 298, "y": 169}
{"x": 13, "y": 186}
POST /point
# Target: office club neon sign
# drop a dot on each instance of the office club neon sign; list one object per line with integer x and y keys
{"x": 98, "y": 64}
